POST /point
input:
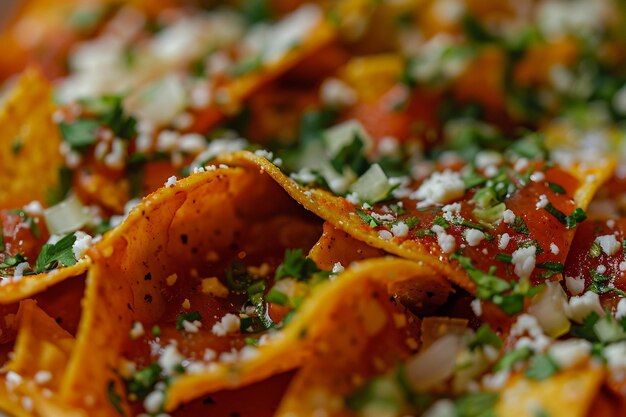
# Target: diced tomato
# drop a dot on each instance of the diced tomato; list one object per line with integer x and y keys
{"x": 23, "y": 235}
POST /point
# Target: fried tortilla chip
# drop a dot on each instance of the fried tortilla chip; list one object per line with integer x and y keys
{"x": 29, "y": 153}
{"x": 567, "y": 394}
{"x": 342, "y": 214}
{"x": 354, "y": 307}
{"x": 174, "y": 239}
{"x": 41, "y": 353}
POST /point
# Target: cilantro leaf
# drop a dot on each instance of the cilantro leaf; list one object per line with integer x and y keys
{"x": 142, "y": 382}
{"x": 512, "y": 357}
{"x": 114, "y": 398}
{"x": 80, "y": 133}
{"x": 541, "y": 367}
{"x": 296, "y": 266}
{"x": 52, "y": 255}
{"x": 485, "y": 336}
{"x": 190, "y": 317}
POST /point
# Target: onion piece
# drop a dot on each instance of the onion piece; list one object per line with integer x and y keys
{"x": 435, "y": 364}
{"x": 373, "y": 186}
{"x": 67, "y": 216}
{"x": 550, "y": 309}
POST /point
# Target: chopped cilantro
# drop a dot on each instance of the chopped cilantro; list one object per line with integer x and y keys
{"x": 296, "y": 266}
{"x": 425, "y": 232}
{"x": 60, "y": 253}
{"x": 276, "y": 297}
{"x": 247, "y": 65}
{"x": 109, "y": 111}
{"x": 577, "y": 216}
{"x": 511, "y": 358}
{"x": 12, "y": 261}
{"x": 556, "y": 188}
{"x": 485, "y": 337}
{"x": 440, "y": 221}
{"x": 80, "y": 133}
{"x": 551, "y": 266}
{"x": 519, "y": 225}
{"x": 600, "y": 284}
{"x": 504, "y": 257}
{"x": 586, "y": 329}
{"x": 351, "y": 156}
{"x": 142, "y": 382}
{"x": 595, "y": 250}
{"x": 16, "y": 146}
{"x": 541, "y": 367}
{"x": 367, "y": 219}
{"x": 114, "y": 398}
{"x": 190, "y": 317}
{"x": 479, "y": 404}
{"x": 467, "y": 223}
{"x": 398, "y": 208}
{"x": 156, "y": 331}
{"x": 411, "y": 222}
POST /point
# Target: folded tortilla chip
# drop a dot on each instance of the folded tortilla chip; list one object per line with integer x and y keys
{"x": 29, "y": 150}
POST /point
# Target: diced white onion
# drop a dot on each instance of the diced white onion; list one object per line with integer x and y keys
{"x": 340, "y": 136}
{"x": 373, "y": 186}
{"x": 550, "y": 309}
{"x": 67, "y": 216}
{"x": 435, "y": 364}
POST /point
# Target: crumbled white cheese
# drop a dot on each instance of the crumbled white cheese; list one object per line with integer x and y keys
{"x": 554, "y": 249}
{"x": 170, "y": 358}
{"x": 385, "y": 234}
{"x": 136, "y": 331}
{"x": 508, "y": 216}
{"x": 446, "y": 242}
{"x": 609, "y": 244}
{"x": 477, "y": 307}
{"x": 487, "y": 158}
{"x": 524, "y": 261}
{"x": 228, "y": 324}
{"x": 440, "y": 188}
{"x": 154, "y": 402}
{"x": 336, "y": 93}
{"x": 81, "y": 245}
{"x": 581, "y": 306}
{"x": 42, "y": 377}
{"x": 503, "y": 241}
{"x": 400, "y": 229}
{"x": 34, "y": 208}
{"x": 575, "y": 285}
{"x": 337, "y": 268}
{"x": 473, "y": 236}
{"x": 171, "y": 181}
{"x": 569, "y": 353}
{"x": 537, "y": 176}
{"x": 615, "y": 355}
{"x": 543, "y": 201}
{"x": 620, "y": 310}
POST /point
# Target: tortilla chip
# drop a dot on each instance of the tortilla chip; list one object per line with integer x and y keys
{"x": 41, "y": 346}
{"x": 338, "y": 246}
{"x": 29, "y": 154}
{"x": 197, "y": 227}
{"x": 341, "y": 214}
{"x": 567, "y": 394}
{"x": 365, "y": 335}
{"x": 355, "y": 306}
{"x": 13, "y": 290}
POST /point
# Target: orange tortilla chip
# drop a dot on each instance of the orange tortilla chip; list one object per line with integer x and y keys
{"x": 14, "y": 290}
{"x": 566, "y": 394}
{"x": 29, "y": 153}
{"x": 341, "y": 214}
{"x": 365, "y": 336}
{"x": 354, "y": 307}
{"x": 41, "y": 353}
{"x": 189, "y": 231}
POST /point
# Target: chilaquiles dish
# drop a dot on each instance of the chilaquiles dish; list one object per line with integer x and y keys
{"x": 292, "y": 208}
